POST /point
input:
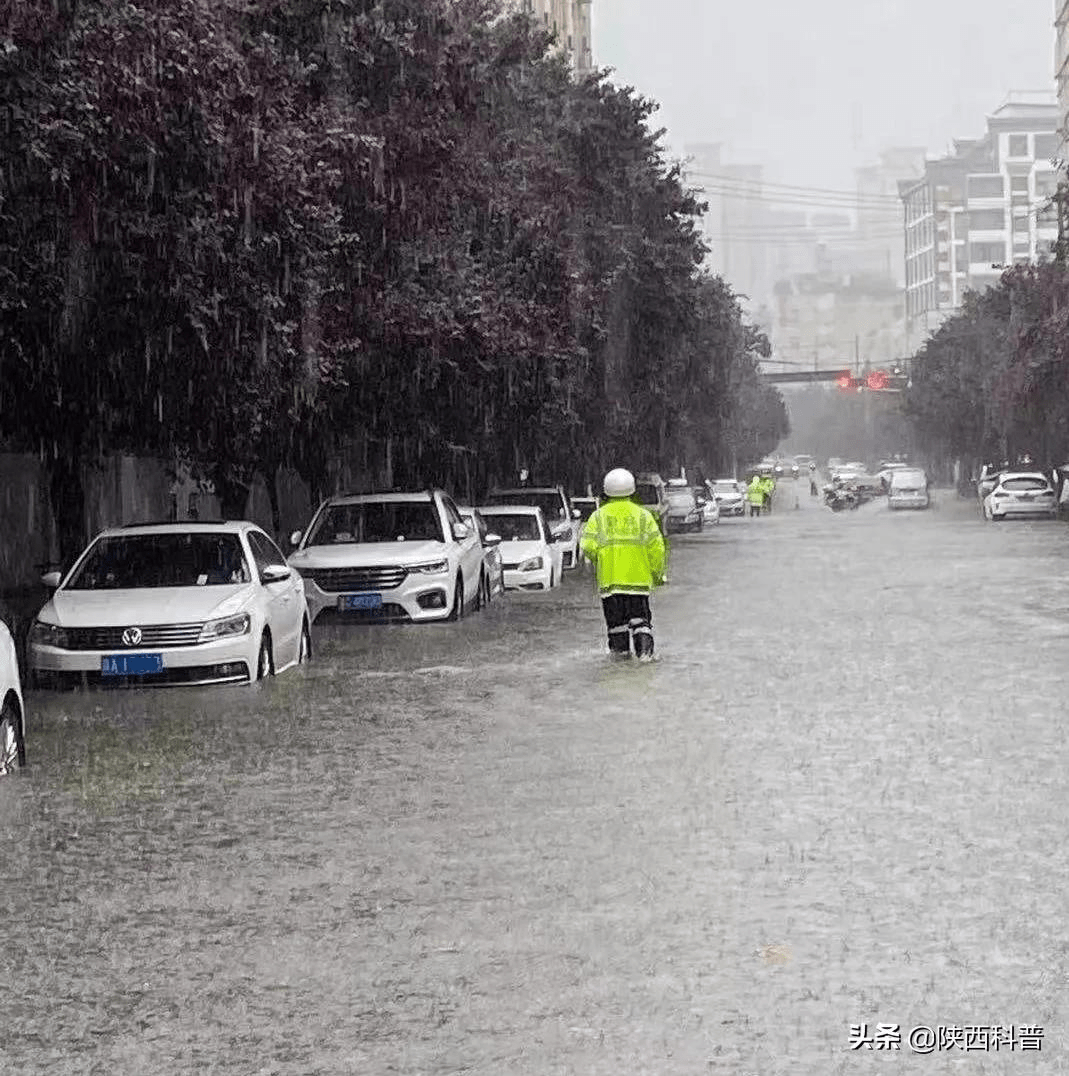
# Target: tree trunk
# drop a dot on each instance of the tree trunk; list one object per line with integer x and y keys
{"x": 233, "y": 497}
{"x": 67, "y": 496}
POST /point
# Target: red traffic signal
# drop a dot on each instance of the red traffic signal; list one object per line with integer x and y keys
{"x": 877, "y": 380}
{"x": 845, "y": 382}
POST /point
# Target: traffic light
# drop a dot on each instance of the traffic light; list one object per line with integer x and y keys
{"x": 846, "y": 383}
{"x": 877, "y": 381}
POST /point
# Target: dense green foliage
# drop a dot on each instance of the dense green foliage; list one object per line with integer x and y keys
{"x": 246, "y": 233}
{"x": 992, "y": 383}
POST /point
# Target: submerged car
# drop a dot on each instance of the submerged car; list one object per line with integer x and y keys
{"x": 172, "y": 603}
{"x": 907, "y": 488}
{"x": 730, "y": 496}
{"x": 1020, "y": 493}
{"x": 494, "y": 574}
{"x": 530, "y": 554}
{"x": 389, "y": 556}
{"x": 12, "y": 713}
{"x": 651, "y": 491}
{"x": 560, "y": 515}
{"x": 684, "y": 512}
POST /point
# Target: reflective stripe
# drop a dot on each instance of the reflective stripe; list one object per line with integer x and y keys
{"x": 644, "y": 631}
{"x": 636, "y": 621}
{"x": 617, "y": 631}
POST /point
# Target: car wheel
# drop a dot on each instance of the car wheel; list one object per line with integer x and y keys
{"x": 265, "y": 662}
{"x": 304, "y": 651}
{"x": 12, "y": 749}
{"x": 457, "y": 612}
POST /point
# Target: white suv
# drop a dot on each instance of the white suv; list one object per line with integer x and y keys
{"x": 389, "y": 556}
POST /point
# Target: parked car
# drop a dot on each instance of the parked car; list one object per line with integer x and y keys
{"x": 651, "y": 491}
{"x": 684, "y": 512}
{"x": 729, "y": 495}
{"x": 562, "y": 517}
{"x": 586, "y": 507}
{"x": 12, "y": 712}
{"x": 1020, "y": 493}
{"x": 390, "y": 556}
{"x": 172, "y": 603}
{"x": 907, "y": 488}
{"x": 494, "y": 574}
{"x": 530, "y": 553}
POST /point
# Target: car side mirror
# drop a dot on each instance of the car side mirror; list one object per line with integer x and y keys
{"x": 461, "y": 532}
{"x": 52, "y": 580}
{"x": 275, "y": 573}
{"x": 492, "y": 539}
{"x": 576, "y": 514}
{"x": 295, "y": 538}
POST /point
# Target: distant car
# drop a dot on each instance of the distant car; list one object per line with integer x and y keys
{"x": 530, "y": 554}
{"x": 493, "y": 582}
{"x": 907, "y": 488}
{"x": 560, "y": 514}
{"x": 1021, "y": 493}
{"x": 651, "y": 491}
{"x": 804, "y": 462}
{"x": 172, "y": 603}
{"x": 389, "y": 556}
{"x": 730, "y": 496}
{"x": 684, "y": 512}
{"x": 785, "y": 469}
{"x": 12, "y": 713}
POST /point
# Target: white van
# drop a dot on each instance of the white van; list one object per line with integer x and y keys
{"x": 908, "y": 489}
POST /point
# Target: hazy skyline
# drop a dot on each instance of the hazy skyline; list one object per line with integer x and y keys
{"x": 814, "y": 91}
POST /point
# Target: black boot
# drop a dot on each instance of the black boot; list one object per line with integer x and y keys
{"x": 644, "y": 645}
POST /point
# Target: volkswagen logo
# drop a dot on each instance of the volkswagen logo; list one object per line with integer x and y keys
{"x": 131, "y": 637}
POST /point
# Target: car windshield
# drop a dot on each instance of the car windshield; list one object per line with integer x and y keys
{"x": 1025, "y": 483}
{"x": 134, "y": 561}
{"x": 377, "y": 521}
{"x": 727, "y": 486}
{"x": 549, "y": 502}
{"x": 680, "y": 497}
{"x": 647, "y": 493}
{"x": 517, "y": 528}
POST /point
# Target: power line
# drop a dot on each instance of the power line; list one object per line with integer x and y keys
{"x": 853, "y": 197}
{"x": 798, "y": 200}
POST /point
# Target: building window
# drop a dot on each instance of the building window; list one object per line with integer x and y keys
{"x": 986, "y": 253}
{"x": 1048, "y": 147}
{"x": 1019, "y": 184}
{"x": 986, "y": 187}
{"x": 987, "y": 219}
{"x": 1018, "y": 146}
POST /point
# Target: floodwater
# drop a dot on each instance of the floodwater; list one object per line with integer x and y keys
{"x": 839, "y": 797}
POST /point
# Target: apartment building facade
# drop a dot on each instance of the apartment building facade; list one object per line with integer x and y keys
{"x": 1061, "y": 70}
{"x": 984, "y": 206}
{"x": 572, "y": 22}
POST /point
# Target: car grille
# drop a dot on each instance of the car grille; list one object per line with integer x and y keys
{"x": 153, "y": 637}
{"x": 349, "y": 580}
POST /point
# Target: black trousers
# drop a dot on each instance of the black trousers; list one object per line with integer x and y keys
{"x": 627, "y": 615}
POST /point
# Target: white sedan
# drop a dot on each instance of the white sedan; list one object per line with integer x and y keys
{"x": 530, "y": 553}
{"x": 172, "y": 603}
{"x": 12, "y": 714}
{"x": 1021, "y": 493}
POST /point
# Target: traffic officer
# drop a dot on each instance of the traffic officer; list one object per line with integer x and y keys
{"x": 768, "y": 487}
{"x": 755, "y": 494}
{"x": 624, "y": 542}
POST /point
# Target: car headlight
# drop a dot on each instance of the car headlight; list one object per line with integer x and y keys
{"x": 531, "y": 564}
{"x": 434, "y": 567}
{"x": 224, "y": 627}
{"x": 48, "y": 634}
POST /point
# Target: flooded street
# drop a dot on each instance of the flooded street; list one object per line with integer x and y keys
{"x": 484, "y": 848}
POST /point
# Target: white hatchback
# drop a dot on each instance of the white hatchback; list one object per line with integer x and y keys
{"x": 390, "y": 556}
{"x": 172, "y": 603}
{"x": 530, "y": 553}
{"x": 1020, "y": 493}
{"x": 12, "y": 714}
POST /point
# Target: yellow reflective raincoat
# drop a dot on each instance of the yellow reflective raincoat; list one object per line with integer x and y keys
{"x": 623, "y": 540}
{"x": 755, "y": 491}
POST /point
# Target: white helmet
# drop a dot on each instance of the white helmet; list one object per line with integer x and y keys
{"x": 619, "y": 483}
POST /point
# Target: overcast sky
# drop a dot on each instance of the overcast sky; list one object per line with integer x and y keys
{"x": 813, "y": 89}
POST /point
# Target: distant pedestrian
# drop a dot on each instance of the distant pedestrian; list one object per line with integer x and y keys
{"x": 755, "y": 494}
{"x": 768, "y": 487}
{"x": 624, "y": 542}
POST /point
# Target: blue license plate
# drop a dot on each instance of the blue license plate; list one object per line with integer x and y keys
{"x": 360, "y": 601}
{"x": 131, "y": 664}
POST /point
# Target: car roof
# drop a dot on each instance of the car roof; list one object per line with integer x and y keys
{"x": 509, "y": 509}
{"x": 384, "y": 498}
{"x": 192, "y": 526}
{"x": 526, "y": 489}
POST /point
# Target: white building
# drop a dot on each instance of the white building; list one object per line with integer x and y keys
{"x": 571, "y": 21}
{"x": 981, "y": 208}
{"x": 1061, "y": 68}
